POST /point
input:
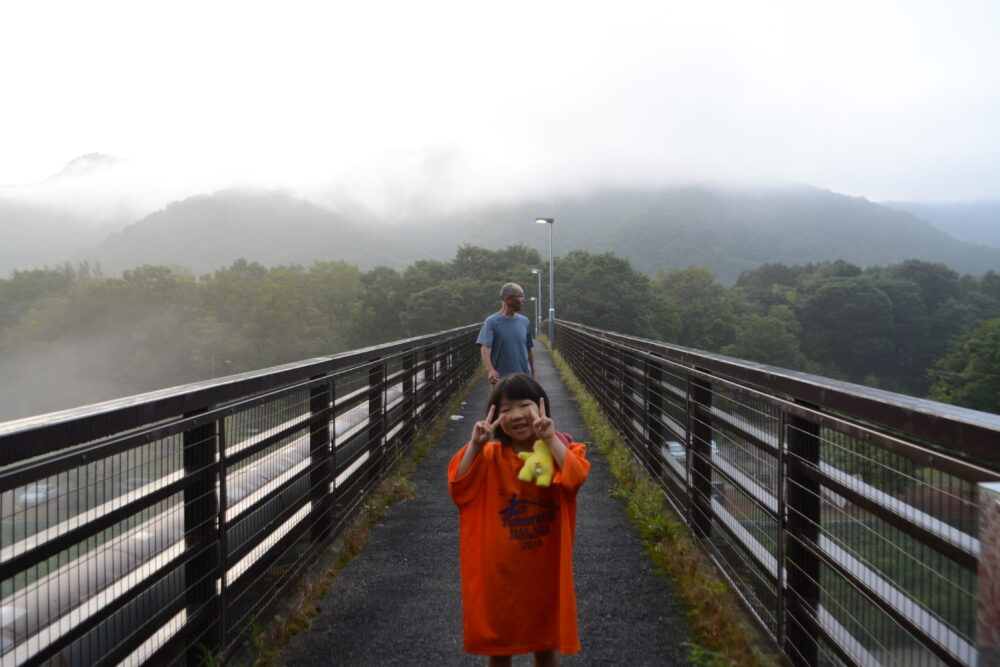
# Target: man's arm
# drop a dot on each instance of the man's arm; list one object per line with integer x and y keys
{"x": 531, "y": 361}
{"x": 491, "y": 373}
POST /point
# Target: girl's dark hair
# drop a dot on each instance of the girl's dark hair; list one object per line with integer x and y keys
{"x": 515, "y": 387}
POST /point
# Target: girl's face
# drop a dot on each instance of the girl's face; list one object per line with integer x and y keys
{"x": 517, "y": 416}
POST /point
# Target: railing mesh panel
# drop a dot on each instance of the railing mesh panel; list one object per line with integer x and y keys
{"x": 850, "y": 542}
{"x": 165, "y": 527}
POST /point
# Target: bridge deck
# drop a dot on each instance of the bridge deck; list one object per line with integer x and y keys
{"x": 399, "y": 601}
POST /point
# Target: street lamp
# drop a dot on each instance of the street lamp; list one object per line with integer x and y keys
{"x": 552, "y": 283}
{"x": 538, "y": 304}
{"x": 536, "y": 300}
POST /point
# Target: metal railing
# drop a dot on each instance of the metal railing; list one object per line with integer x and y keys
{"x": 162, "y": 527}
{"x": 845, "y": 517}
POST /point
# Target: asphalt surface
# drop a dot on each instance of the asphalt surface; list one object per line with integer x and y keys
{"x": 399, "y": 601}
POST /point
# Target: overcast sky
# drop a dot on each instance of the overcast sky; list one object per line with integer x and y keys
{"x": 886, "y": 100}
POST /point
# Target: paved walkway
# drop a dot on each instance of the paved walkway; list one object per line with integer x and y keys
{"x": 399, "y": 602}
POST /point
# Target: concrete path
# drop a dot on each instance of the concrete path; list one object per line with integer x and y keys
{"x": 399, "y": 601}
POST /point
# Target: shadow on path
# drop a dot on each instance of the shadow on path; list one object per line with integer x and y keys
{"x": 399, "y": 601}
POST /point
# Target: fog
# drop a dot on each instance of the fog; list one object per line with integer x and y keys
{"x": 399, "y": 107}
{"x": 396, "y": 111}
{"x": 39, "y": 382}
{"x": 83, "y": 368}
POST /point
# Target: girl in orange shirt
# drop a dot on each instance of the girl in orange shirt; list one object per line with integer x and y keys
{"x": 516, "y": 538}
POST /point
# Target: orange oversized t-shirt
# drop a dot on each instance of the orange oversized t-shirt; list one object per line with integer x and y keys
{"x": 516, "y": 552}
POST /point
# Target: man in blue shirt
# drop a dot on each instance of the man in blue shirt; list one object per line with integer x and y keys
{"x": 505, "y": 338}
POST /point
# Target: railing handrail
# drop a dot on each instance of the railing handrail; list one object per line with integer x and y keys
{"x": 70, "y": 427}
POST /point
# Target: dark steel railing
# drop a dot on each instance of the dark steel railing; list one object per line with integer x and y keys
{"x": 846, "y": 518}
{"x": 162, "y": 527}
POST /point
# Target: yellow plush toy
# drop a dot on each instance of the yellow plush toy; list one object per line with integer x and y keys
{"x": 537, "y": 465}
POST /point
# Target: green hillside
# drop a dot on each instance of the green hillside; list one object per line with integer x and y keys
{"x": 206, "y": 232}
{"x": 727, "y": 230}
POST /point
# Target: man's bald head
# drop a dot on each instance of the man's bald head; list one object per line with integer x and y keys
{"x": 513, "y": 298}
{"x": 511, "y": 289}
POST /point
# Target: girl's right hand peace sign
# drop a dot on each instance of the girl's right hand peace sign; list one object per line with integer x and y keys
{"x": 483, "y": 430}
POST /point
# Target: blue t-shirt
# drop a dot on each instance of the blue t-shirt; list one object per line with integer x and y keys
{"x": 508, "y": 339}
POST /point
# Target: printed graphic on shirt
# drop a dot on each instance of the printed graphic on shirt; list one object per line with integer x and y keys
{"x": 528, "y": 521}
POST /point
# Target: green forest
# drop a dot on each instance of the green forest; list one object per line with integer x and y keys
{"x": 71, "y": 336}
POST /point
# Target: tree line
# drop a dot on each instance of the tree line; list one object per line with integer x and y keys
{"x": 70, "y": 335}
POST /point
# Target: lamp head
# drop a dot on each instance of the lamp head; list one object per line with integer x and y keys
{"x": 534, "y": 271}
{"x": 545, "y": 221}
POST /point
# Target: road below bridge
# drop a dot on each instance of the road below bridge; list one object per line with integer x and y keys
{"x": 399, "y": 601}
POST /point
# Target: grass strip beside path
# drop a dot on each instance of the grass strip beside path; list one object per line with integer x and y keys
{"x": 724, "y": 635}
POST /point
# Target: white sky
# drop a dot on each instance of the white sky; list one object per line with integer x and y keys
{"x": 887, "y": 100}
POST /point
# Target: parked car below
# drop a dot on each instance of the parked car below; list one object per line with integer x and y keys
{"x": 36, "y": 493}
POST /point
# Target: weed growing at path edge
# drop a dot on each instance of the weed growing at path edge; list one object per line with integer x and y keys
{"x": 722, "y": 635}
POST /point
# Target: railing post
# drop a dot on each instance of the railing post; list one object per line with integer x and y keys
{"x": 655, "y": 431}
{"x": 201, "y": 511}
{"x": 780, "y": 490}
{"x": 455, "y": 366}
{"x": 320, "y": 460}
{"x": 603, "y": 366}
{"x": 619, "y": 411}
{"x": 988, "y": 605}
{"x": 573, "y": 347}
{"x": 433, "y": 376}
{"x": 222, "y": 535}
{"x": 441, "y": 379}
{"x": 376, "y": 416}
{"x": 802, "y": 495}
{"x": 409, "y": 392}
{"x": 699, "y": 447}
{"x": 423, "y": 390}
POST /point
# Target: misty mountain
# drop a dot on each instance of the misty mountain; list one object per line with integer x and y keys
{"x": 45, "y": 223}
{"x": 87, "y": 165}
{"x": 975, "y": 222}
{"x": 207, "y": 232}
{"x": 33, "y": 236}
{"x": 727, "y": 229}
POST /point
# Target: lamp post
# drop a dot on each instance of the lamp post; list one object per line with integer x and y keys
{"x": 535, "y": 300}
{"x": 552, "y": 289}
{"x": 538, "y": 304}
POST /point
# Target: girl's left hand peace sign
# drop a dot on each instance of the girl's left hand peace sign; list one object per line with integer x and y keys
{"x": 542, "y": 425}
